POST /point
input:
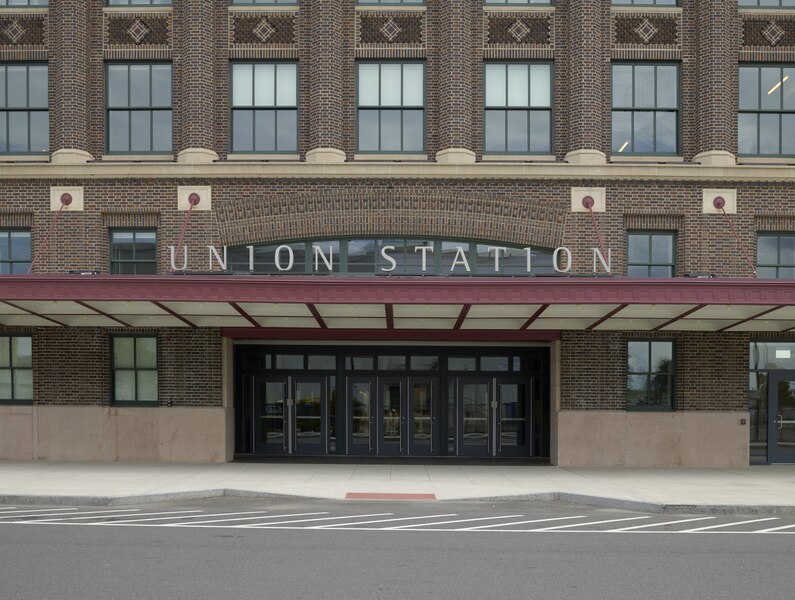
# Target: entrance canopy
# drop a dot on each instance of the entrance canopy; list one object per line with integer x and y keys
{"x": 326, "y": 307}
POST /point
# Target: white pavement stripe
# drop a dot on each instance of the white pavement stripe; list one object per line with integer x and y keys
{"x": 381, "y": 521}
{"x": 97, "y": 514}
{"x": 450, "y": 522}
{"x": 773, "y": 529}
{"x": 110, "y": 516}
{"x": 697, "y": 529}
{"x": 260, "y": 517}
{"x": 556, "y": 527}
{"x": 40, "y": 510}
{"x": 519, "y": 523}
{"x": 257, "y": 526}
{"x": 659, "y": 524}
{"x": 7, "y": 507}
{"x": 193, "y": 516}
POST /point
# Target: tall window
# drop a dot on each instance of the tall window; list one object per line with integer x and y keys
{"x": 15, "y": 254}
{"x": 650, "y": 374}
{"x": 391, "y": 107}
{"x": 650, "y": 254}
{"x": 138, "y": 2}
{"x": 390, "y": 1}
{"x": 16, "y": 369}
{"x": 775, "y": 255}
{"x": 547, "y": 2}
{"x": 518, "y": 107}
{"x": 265, "y": 1}
{"x": 645, "y": 109}
{"x": 766, "y": 121}
{"x": 139, "y": 108}
{"x": 265, "y": 107}
{"x": 133, "y": 252}
{"x": 15, "y": 3}
{"x": 645, "y": 2}
{"x": 24, "y": 114}
{"x": 768, "y": 3}
{"x": 134, "y": 369}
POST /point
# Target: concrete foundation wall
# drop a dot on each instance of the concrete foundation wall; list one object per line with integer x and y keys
{"x": 637, "y": 439}
{"x": 101, "y": 433}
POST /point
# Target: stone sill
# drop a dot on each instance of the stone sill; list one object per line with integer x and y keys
{"x": 24, "y": 10}
{"x": 518, "y": 158}
{"x": 646, "y": 9}
{"x": 137, "y": 158}
{"x": 132, "y": 9}
{"x": 391, "y": 157}
{"x": 783, "y": 11}
{"x": 259, "y": 8}
{"x": 765, "y": 160}
{"x": 264, "y": 157}
{"x": 24, "y": 158}
{"x": 647, "y": 159}
{"x": 390, "y": 7}
{"x": 518, "y": 8}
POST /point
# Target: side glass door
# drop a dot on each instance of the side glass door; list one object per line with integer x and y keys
{"x": 513, "y": 419}
{"x": 781, "y": 432}
{"x": 307, "y": 426}
{"x": 270, "y": 415}
{"x": 361, "y": 415}
{"x": 422, "y": 417}
{"x": 392, "y": 435}
{"x": 475, "y": 428}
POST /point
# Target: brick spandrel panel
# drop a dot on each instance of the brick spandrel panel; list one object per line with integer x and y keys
{"x": 711, "y": 370}
{"x": 119, "y": 31}
{"x": 627, "y": 31}
{"x": 73, "y": 366}
{"x": 504, "y": 31}
{"x": 29, "y": 30}
{"x": 753, "y": 36}
{"x": 374, "y": 29}
{"x": 244, "y": 29}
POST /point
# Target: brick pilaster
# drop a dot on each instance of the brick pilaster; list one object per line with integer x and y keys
{"x": 455, "y": 126}
{"x": 194, "y": 80}
{"x": 70, "y": 23}
{"x": 588, "y": 29}
{"x": 326, "y": 97}
{"x": 718, "y": 44}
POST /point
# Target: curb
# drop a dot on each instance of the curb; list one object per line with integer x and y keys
{"x": 563, "y": 497}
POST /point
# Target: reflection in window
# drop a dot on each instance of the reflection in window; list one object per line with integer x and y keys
{"x": 775, "y": 256}
{"x": 15, "y": 253}
{"x": 16, "y": 369}
{"x": 650, "y": 374}
{"x": 766, "y": 119}
{"x": 134, "y": 369}
{"x": 650, "y": 254}
{"x": 133, "y": 252}
{"x": 24, "y": 114}
{"x": 645, "y": 108}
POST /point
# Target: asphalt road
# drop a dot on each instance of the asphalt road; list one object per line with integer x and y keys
{"x": 255, "y": 549}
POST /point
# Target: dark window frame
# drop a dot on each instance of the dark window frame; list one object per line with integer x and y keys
{"x": 137, "y": 3}
{"x": 653, "y": 110}
{"x": 135, "y": 370}
{"x": 778, "y": 265}
{"x": 7, "y": 338}
{"x": 6, "y": 6}
{"x": 6, "y": 110}
{"x": 131, "y": 109}
{"x": 671, "y": 407}
{"x": 134, "y": 231}
{"x": 12, "y": 262}
{"x": 651, "y": 263}
{"x": 508, "y": 3}
{"x": 760, "y": 111}
{"x": 379, "y": 107}
{"x": 655, "y": 3}
{"x": 263, "y": 2}
{"x": 780, "y": 6}
{"x": 527, "y": 109}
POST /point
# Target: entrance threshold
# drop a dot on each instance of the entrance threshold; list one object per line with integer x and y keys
{"x": 387, "y": 460}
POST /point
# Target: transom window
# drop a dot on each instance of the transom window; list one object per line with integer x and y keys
{"x": 766, "y": 121}
{"x": 645, "y": 109}
{"x": 15, "y": 253}
{"x": 775, "y": 255}
{"x": 390, "y": 1}
{"x": 138, "y": 2}
{"x": 24, "y": 114}
{"x": 650, "y": 254}
{"x": 645, "y": 2}
{"x": 518, "y": 107}
{"x": 264, "y": 1}
{"x": 139, "y": 108}
{"x": 265, "y": 107}
{"x": 13, "y": 3}
{"x": 650, "y": 374}
{"x": 768, "y": 3}
{"x": 16, "y": 369}
{"x": 133, "y": 252}
{"x": 134, "y": 369}
{"x": 391, "y": 107}
{"x": 547, "y": 2}
{"x": 391, "y": 256}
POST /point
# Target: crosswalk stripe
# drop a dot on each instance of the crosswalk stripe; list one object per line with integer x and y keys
{"x": 259, "y": 517}
{"x": 647, "y": 525}
{"x": 280, "y": 523}
{"x": 556, "y": 527}
{"x": 450, "y": 522}
{"x": 772, "y": 529}
{"x": 519, "y": 523}
{"x": 697, "y": 529}
{"x": 380, "y": 521}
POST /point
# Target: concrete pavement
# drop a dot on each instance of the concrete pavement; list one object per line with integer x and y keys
{"x": 768, "y": 489}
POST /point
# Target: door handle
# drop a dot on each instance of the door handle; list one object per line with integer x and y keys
{"x": 779, "y": 421}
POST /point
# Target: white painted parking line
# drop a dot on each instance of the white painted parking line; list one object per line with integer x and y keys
{"x": 721, "y": 525}
{"x": 519, "y": 523}
{"x": 96, "y": 514}
{"x": 774, "y": 529}
{"x": 40, "y": 510}
{"x": 193, "y": 516}
{"x": 647, "y": 525}
{"x": 7, "y": 507}
{"x": 380, "y": 521}
{"x": 450, "y": 522}
{"x": 259, "y": 517}
{"x": 556, "y": 527}
{"x": 112, "y": 516}
{"x": 280, "y": 523}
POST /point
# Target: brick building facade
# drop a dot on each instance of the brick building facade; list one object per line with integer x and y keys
{"x": 454, "y": 188}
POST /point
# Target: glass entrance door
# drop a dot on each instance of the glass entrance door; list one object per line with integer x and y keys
{"x": 306, "y": 427}
{"x": 475, "y": 419}
{"x": 781, "y": 428}
{"x": 270, "y": 412}
{"x": 361, "y": 422}
{"x": 513, "y": 418}
{"x": 290, "y": 415}
{"x": 392, "y": 401}
{"x": 422, "y": 417}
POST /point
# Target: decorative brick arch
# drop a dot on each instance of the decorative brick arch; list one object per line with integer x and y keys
{"x": 365, "y": 212}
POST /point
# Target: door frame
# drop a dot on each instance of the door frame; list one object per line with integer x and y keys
{"x": 773, "y": 454}
{"x": 490, "y": 384}
{"x": 321, "y": 447}
{"x": 382, "y": 447}
{"x": 352, "y": 446}
{"x": 262, "y": 446}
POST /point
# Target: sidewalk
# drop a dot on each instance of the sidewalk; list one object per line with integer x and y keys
{"x": 769, "y": 489}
